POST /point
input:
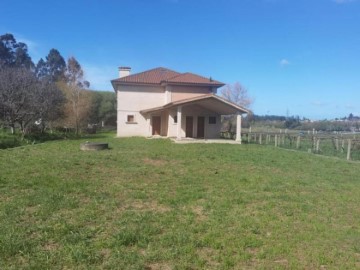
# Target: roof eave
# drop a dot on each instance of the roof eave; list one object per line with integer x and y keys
{"x": 217, "y": 85}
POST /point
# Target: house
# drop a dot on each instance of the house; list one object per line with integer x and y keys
{"x": 163, "y": 102}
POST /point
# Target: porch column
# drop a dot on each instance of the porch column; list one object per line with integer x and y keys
{"x": 178, "y": 128}
{"x": 238, "y": 127}
{"x": 149, "y": 125}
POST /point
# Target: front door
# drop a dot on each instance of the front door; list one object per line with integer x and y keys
{"x": 201, "y": 127}
{"x": 156, "y": 125}
{"x": 189, "y": 127}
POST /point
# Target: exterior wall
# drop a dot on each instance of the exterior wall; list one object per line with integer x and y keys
{"x": 130, "y": 101}
{"x": 140, "y": 127}
{"x": 184, "y": 92}
{"x": 212, "y": 131}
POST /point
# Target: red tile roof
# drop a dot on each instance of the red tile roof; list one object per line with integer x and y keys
{"x": 163, "y": 75}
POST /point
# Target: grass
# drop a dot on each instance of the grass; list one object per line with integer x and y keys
{"x": 152, "y": 204}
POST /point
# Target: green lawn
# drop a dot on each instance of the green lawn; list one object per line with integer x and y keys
{"x": 153, "y": 204}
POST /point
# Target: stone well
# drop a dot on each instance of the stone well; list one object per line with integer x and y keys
{"x": 94, "y": 146}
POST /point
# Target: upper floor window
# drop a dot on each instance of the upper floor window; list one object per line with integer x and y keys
{"x": 212, "y": 120}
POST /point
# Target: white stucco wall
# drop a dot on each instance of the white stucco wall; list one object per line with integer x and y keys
{"x": 184, "y": 92}
{"x": 130, "y": 101}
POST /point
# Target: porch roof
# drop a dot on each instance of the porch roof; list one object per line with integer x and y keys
{"x": 210, "y": 102}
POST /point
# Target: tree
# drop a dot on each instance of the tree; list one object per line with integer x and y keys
{"x": 103, "y": 109}
{"x": 13, "y": 53}
{"x": 24, "y": 99}
{"x": 77, "y": 107}
{"x": 55, "y": 66}
{"x": 17, "y": 87}
{"x": 237, "y": 94}
{"x": 42, "y": 70}
{"x": 50, "y": 101}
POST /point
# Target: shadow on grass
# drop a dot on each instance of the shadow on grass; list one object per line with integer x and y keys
{"x": 8, "y": 140}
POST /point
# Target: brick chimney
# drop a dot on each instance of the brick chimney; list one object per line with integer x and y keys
{"x": 124, "y": 71}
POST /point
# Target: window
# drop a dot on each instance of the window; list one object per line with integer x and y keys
{"x": 212, "y": 120}
{"x": 175, "y": 119}
{"x": 130, "y": 119}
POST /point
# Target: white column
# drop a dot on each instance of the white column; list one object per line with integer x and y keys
{"x": 178, "y": 128}
{"x": 238, "y": 127}
{"x": 149, "y": 125}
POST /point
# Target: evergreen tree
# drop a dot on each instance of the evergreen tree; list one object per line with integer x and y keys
{"x": 55, "y": 65}
{"x": 13, "y": 53}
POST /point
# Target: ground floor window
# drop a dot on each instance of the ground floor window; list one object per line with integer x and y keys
{"x": 130, "y": 119}
{"x": 212, "y": 119}
{"x": 175, "y": 119}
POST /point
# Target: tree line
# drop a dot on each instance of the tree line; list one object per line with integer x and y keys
{"x": 52, "y": 93}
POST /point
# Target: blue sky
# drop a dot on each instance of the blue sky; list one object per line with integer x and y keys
{"x": 296, "y": 57}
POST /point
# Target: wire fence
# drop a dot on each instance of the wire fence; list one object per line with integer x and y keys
{"x": 345, "y": 146}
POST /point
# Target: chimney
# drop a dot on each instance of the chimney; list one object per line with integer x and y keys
{"x": 124, "y": 71}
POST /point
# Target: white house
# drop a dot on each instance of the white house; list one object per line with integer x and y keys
{"x": 163, "y": 102}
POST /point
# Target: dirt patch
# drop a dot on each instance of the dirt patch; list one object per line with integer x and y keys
{"x": 105, "y": 253}
{"x": 158, "y": 266}
{"x": 155, "y": 162}
{"x": 199, "y": 212}
{"x": 283, "y": 262}
{"x": 50, "y": 246}
{"x": 208, "y": 255}
{"x": 147, "y": 206}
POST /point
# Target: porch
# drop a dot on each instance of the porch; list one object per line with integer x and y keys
{"x": 198, "y": 117}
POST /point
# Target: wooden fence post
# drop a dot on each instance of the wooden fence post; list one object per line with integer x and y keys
{"x": 337, "y": 144}
{"x": 298, "y": 142}
{"x": 318, "y": 146}
{"x": 348, "y": 157}
{"x": 276, "y": 140}
{"x": 342, "y": 145}
{"x": 260, "y": 138}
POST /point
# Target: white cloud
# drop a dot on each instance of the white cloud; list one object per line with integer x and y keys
{"x": 284, "y": 62}
{"x": 100, "y": 76}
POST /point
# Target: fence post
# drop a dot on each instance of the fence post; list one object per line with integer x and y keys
{"x": 337, "y": 144}
{"x": 276, "y": 140}
{"x": 348, "y": 157}
{"x": 298, "y": 142}
{"x": 342, "y": 145}
{"x": 249, "y": 137}
{"x": 317, "y": 146}
{"x": 260, "y": 138}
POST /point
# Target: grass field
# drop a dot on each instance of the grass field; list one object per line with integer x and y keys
{"x": 153, "y": 204}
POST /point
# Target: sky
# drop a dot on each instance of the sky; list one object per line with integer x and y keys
{"x": 294, "y": 57}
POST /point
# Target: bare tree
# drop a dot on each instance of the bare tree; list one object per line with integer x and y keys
{"x": 49, "y": 102}
{"x": 78, "y": 105}
{"x": 17, "y": 88}
{"x": 24, "y": 99}
{"x": 237, "y": 94}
